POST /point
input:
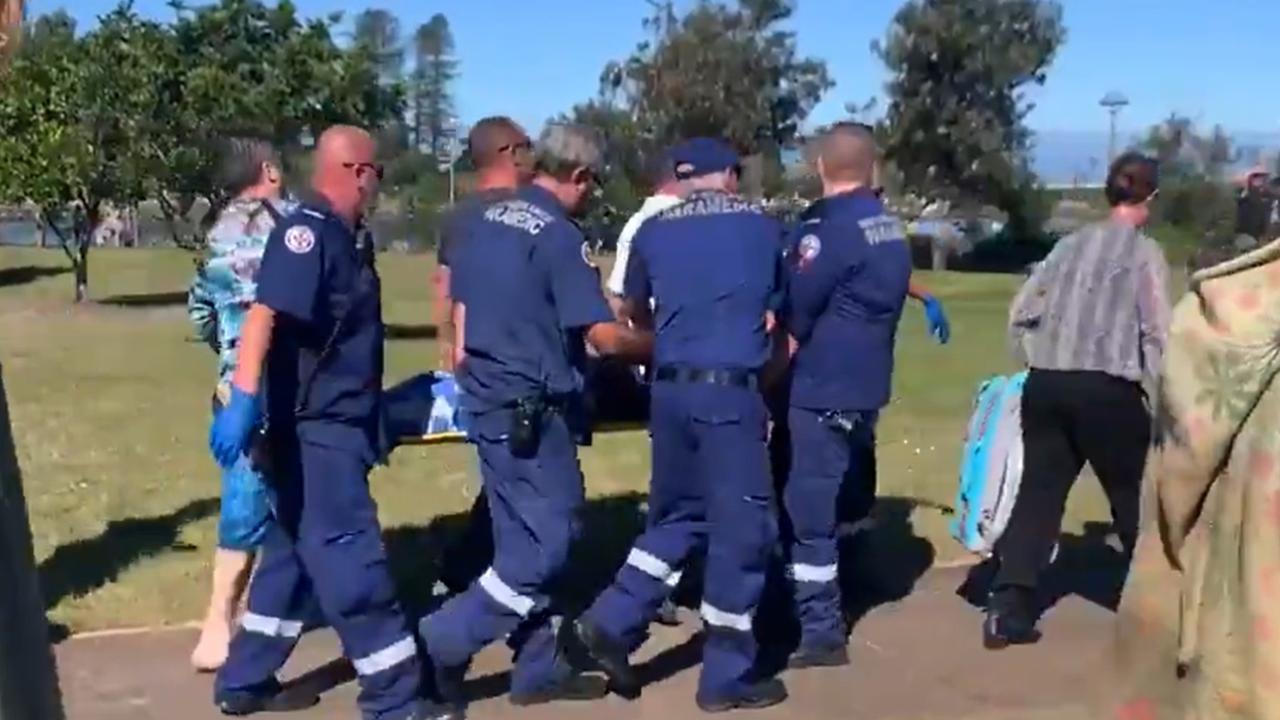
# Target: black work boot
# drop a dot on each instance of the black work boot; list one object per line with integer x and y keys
{"x": 588, "y": 649}
{"x": 668, "y": 614}
{"x": 269, "y": 697}
{"x": 574, "y": 687}
{"x": 1011, "y": 618}
{"x": 449, "y": 682}
{"x": 432, "y": 710}
{"x": 836, "y": 656}
{"x": 763, "y": 694}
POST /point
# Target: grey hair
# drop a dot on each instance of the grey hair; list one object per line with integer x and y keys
{"x": 240, "y": 161}
{"x": 565, "y": 148}
{"x": 711, "y": 181}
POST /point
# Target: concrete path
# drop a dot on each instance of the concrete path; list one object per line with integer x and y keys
{"x": 919, "y": 659}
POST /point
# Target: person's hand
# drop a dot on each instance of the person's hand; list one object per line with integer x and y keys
{"x": 939, "y": 328}
{"x": 229, "y": 434}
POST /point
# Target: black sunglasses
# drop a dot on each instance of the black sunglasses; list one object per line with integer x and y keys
{"x": 512, "y": 147}
{"x": 362, "y": 168}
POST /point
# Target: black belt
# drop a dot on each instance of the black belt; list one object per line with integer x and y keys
{"x": 730, "y": 378}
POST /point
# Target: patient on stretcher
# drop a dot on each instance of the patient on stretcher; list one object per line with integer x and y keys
{"x": 427, "y": 406}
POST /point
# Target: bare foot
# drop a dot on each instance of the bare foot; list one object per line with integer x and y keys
{"x": 211, "y": 651}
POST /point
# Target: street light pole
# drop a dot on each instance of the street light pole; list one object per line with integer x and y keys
{"x": 453, "y": 127}
{"x": 1114, "y": 102}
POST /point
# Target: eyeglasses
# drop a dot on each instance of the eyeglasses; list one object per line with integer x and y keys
{"x": 525, "y": 145}
{"x": 361, "y": 168}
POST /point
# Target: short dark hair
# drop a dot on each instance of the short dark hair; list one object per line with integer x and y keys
{"x": 489, "y": 136}
{"x": 240, "y": 161}
{"x": 1132, "y": 179}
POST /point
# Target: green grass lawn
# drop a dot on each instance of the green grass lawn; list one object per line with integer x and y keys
{"x": 110, "y": 407}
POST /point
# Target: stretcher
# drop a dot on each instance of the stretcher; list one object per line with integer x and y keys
{"x": 425, "y": 409}
{"x": 451, "y": 437}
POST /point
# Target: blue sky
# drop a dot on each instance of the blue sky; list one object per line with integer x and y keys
{"x": 534, "y": 58}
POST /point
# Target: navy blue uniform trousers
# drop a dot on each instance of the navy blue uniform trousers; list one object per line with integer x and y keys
{"x": 534, "y": 504}
{"x": 325, "y": 549}
{"x": 710, "y": 487}
{"x": 831, "y": 485}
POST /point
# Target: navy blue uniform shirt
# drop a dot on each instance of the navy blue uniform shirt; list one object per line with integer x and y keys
{"x": 850, "y": 266}
{"x": 713, "y": 266}
{"x": 530, "y": 292}
{"x": 324, "y": 291}
{"x": 462, "y": 219}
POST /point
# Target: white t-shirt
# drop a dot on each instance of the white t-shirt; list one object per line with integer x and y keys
{"x": 652, "y": 205}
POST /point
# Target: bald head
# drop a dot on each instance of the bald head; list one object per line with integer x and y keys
{"x": 846, "y": 153}
{"x": 343, "y": 144}
{"x": 492, "y": 138}
{"x": 344, "y": 171}
{"x": 502, "y": 153}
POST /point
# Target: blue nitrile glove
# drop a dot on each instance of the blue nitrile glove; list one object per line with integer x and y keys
{"x": 939, "y": 328}
{"x": 232, "y": 426}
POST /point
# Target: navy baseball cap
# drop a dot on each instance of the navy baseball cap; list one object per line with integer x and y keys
{"x": 702, "y": 156}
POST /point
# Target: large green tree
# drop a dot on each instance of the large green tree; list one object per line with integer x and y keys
{"x": 378, "y": 32}
{"x": 724, "y": 70}
{"x": 954, "y": 126}
{"x": 435, "y": 71}
{"x": 77, "y": 122}
{"x": 56, "y": 28}
{"x": 129, "y": 111}
{"x": 1194, "y": 192}
{"x": 249, "y": 68}
{"x": 721, "y": 70}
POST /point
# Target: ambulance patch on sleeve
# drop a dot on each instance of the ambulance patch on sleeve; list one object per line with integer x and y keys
{"x": 300, "y": 239}
{"x": 808, "y": 249}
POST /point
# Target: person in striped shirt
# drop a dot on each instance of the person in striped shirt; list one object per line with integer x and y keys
{"x": 1091, "y": 324}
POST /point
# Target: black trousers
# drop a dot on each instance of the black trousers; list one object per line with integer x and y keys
{"x": 1068, "y": 419}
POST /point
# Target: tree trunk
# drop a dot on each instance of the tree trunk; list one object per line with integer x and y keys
{"x": 28, "y": 676}
{"x": 939, "y": 251}
{"x": 82, "y": 271}
{"x": 752, "y": 181}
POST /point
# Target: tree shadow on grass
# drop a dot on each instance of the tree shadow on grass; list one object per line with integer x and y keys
{"x": 877, "y": 567}
{"x": 24, "y": 274}
{"x": 85, "y": 565}
{"x": 454, "y": 550}
{"x": 147, "y": 300}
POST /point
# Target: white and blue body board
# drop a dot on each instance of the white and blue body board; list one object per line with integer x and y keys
{"x": 991, "y": 466}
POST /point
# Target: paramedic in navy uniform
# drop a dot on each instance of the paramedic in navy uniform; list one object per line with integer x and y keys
{"x": 528, "y": 297}
{"x": 503, "y": 156}
{"x": 850, "y": 270}
{"x": 316, "y": 330}
{"x": 713, "y": 267}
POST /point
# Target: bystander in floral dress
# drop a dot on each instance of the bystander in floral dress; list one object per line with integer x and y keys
{"x": 1199, "y": 623}
{"x": 220, "y": 297}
